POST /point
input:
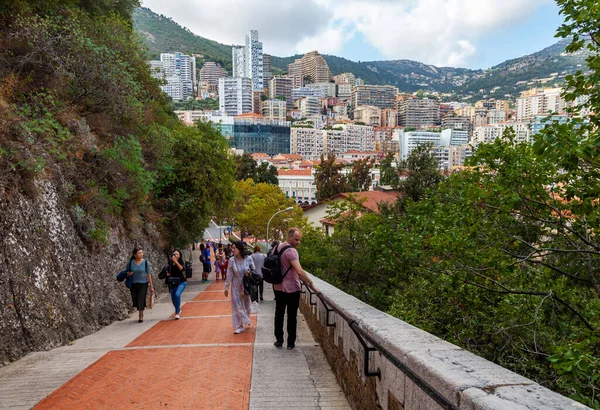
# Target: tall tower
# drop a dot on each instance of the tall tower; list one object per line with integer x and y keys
{"x": 248, "y": 60}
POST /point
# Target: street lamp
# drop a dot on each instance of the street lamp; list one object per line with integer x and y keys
{"x": 268, "y": 223}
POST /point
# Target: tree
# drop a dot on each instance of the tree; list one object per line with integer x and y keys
{"x": 329, "y": 179}
{"x": 360, "y": 177}
{"x": 388, "y": 172}
{"x": 422, "y": 173}
{"x": 266, "y": 173}
{"x": 257, "y": 202}
{"x": 246, "y": 167}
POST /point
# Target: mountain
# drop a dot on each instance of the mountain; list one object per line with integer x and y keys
{"x": 548, "y": 66}
{"x": 163, "y": 35}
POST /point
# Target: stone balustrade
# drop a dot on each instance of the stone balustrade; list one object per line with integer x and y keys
{"x": 412, "y": 362}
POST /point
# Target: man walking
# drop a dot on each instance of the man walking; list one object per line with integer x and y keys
{"x": 287, "y": 293}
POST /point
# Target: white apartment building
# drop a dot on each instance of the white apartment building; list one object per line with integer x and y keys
{"x": 274, "y": 109}
{"x": 179, "y": 71}
{"x": 495, "y": 116}
{"x": 448, "y": 147}
{"x": 488, "y": 133}
{"x": 309, "y": 106}
{"x": 344, "y": 91}
{"x": 247, "y": 61}
{"x": 298, "y": 184}
{"x": 454, "y": 137}
{"x": 539, "y": 101}
{"x": 325, "y": 89}
{"x": 349, "y": 137}
{"x": 411, "y": 140}
{"x": 300, "y": 92}
{"x": 308, "y": 142}
{"x": 235, "y": 96}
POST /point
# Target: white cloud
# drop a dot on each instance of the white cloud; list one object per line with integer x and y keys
{"x": 440, "y": 32}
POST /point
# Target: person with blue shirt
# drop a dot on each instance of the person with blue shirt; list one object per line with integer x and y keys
{"x": 140, "y": 269}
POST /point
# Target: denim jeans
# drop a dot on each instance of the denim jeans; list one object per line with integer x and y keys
{"x": 176, "y": 292}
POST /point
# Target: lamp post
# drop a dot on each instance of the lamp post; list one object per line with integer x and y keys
{"x": 268, "y": 223}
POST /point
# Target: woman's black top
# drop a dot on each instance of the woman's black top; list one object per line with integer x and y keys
{"x": 175, "y": 272}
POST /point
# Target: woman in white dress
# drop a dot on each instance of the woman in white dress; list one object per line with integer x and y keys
{"x": 239, "y": 266}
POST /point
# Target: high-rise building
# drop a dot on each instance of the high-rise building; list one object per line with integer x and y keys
{"x": 381, "y": 96}
{"x": 267, "y": 74}
{"x": 273, "y": 109}
{"x": 298, "y": 93}
{"x": 179, "y": 70}
{"x": 326, "y": 89}
{"x": 539, "y": 101}
{"x": 210, "y": 74}
{"x": 418, "y": 112}
{"x": 254, "y": 133}
{"x": 248, "y": 62}
{"x": 312, "y": 67}
{"x": 281, "y": 87}
{"x": 308, "y": 106}
{"x": 344, "y": 91}
{"x": 349, "y": 137}
{"x": 488, "y": 133}
{"x": 235, "y": 96}
{"x": 308, "y": 142}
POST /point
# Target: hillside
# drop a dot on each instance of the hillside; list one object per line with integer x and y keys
{"x": 548, "y": 66}
{"x": 163, "y": 35}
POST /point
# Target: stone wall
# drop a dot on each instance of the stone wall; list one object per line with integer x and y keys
{"x": 53, "y": 288}
{"x": 465, "y": 380}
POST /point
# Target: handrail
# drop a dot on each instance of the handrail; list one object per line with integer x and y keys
{"x": 362, "y": 335}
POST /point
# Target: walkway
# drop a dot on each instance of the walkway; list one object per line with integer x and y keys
{"x": 193, "y": 363}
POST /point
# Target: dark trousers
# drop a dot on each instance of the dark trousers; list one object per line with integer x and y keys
{"x": 291, "y": 301}
{"x": 261, "y": 287}
{"x": 138, "y": 295}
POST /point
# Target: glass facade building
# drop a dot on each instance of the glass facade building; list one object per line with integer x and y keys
{"x": 271, "y": 137}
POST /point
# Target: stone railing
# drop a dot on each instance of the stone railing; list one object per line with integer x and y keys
{"x": 408, "y": 368}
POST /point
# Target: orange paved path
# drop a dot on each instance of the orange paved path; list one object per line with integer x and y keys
{"x": 166, "y": 368}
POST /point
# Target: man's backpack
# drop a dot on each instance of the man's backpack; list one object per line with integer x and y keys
{"x": 272, "y": 267}
{"x": 202, "y": 258}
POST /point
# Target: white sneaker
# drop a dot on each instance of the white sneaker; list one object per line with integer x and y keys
{"x": 238, "y": 330}
{"x": 177, "y": 316}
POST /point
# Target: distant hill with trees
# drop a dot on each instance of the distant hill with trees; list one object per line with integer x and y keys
{"x": 546, "y": 67}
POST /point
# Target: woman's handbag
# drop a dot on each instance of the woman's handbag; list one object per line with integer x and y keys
{"x": 173, "y": 281}
{"x": 163, "y": 273}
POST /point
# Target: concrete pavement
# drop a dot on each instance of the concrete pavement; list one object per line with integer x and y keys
{"x": 133, "y": 365}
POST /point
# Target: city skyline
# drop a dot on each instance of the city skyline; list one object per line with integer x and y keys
{"x": 471, "y": 34}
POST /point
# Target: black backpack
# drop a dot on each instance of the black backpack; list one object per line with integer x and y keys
{"x": 188, "y": 269}
{"x": 272, "y": 267}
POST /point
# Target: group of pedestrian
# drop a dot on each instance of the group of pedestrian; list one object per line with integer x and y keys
{"x": 241, "y": 272}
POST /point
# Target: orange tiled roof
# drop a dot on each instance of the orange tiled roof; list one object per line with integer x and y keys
{"x": 249, "y": 115}
{"x": 372, "y": 198}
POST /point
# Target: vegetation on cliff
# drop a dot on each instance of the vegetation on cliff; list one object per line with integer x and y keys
{"x": 77, "y": 101}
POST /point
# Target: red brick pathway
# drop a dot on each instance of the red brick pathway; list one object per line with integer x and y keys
{"x": 178, "y": 375}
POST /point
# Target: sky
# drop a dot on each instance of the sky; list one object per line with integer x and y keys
{"x": 451, "y": 33}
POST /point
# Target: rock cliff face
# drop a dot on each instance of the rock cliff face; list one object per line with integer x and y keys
{"x": 53, "y": 288}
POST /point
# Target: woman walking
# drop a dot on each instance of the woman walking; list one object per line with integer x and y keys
{"x": 259, "y": 260}
{"x": 140, "y": 268}
{"x": 176, "y": 280}
{"x": 238, "y": 267}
